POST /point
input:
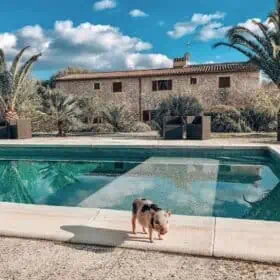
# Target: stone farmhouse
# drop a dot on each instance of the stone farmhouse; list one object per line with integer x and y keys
{"x": 142, "y": 90}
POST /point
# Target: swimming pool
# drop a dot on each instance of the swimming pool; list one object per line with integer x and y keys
{"x": 243, "y": 183}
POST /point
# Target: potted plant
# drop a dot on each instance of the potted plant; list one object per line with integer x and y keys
{"x": 12, "y": 83}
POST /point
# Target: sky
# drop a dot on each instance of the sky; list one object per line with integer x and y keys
{"x": 108, "y": 35}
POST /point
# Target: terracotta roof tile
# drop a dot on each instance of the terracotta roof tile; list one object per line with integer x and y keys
{"x": 189, "y": 70}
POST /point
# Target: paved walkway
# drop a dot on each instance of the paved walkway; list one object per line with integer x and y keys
{"x": 22, "y": 259}
{"x": 253, "y": 141}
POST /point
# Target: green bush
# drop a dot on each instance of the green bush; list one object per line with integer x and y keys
{"x": 102, "y": 128}
{"x": 260, "y": 117}
{"x": 176, "y": 106}
{"x": 119, "y": 117}
{"x": 226, "y": 119}
{"x": 141, "y": 127}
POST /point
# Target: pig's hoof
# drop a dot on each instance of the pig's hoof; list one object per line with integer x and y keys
{"x": 160, "y": 238}
{"x": 152, "y": 241}
{"x": 134, "y": 232}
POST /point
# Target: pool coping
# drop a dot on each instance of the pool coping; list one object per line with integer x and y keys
{"x": 249, "y": 240}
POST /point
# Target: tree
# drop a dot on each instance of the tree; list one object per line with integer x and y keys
{"x": 177, "y": 106}
{"x": 13, "y": 81}
{"x": 262, "y": 46}
{"x": 63, "y": 109}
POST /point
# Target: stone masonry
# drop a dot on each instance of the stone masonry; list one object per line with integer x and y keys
{"x": 137, "y": 86}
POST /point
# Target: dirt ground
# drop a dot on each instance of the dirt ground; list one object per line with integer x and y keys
{"x": 29, "y": 259}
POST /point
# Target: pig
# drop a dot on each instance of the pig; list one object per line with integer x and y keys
{"x": 150, "y": 217}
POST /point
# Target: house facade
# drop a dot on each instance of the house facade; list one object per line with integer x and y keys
{"x": 143, "y": 90}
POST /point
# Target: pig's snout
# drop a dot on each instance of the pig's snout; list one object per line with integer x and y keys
{"x": 163, "y": 231}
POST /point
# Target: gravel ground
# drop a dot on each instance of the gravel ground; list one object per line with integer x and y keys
{"x": 30, "y": 259}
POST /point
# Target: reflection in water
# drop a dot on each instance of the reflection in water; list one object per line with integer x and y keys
{"x": 17, "y": 181}
{"x": 61, "y": 174}
{"x": 267, "y": 207}
{"x": 188, "y": 186}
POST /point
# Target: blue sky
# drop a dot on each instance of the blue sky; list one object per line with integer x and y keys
{"x": 123, "y": 34}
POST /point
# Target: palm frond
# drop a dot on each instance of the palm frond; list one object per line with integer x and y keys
{"x": 3, "y": 66}
{"x": 22, "y": 75}
{"x": 16, "y": 63}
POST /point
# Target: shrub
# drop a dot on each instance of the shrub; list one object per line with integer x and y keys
{"x": 141, "y": 127}
{"x": 119, "y": 117}
{"x": 176, "y": 106}
{"x": 226, "y": 119}
{"x": 260, "y": 116}
{"x": 102, "y": 128}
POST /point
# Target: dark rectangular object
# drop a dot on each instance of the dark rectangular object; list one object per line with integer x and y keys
{"x": 117, "y": 87}
{"x": 173, "y": 128}
{"x": 224, "y": 82}
{"x": 198, "y": 128}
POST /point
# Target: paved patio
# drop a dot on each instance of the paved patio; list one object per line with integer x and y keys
{"x": 136, "y": 139}
{"x": 22, "y": 259}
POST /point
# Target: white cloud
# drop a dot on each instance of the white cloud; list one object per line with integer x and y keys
{"x": 181, "y": 29}
{"x": 104, "y": 5}
{"x": 213, "y": 30}
{"x": 137, "y": 13}
{"x": 7, "y": 41}
{"x": 249, "y": 24}
{"x": 161, "y": 23}
{"x": 142, "y": 61}
{"x": 98, "y": 47}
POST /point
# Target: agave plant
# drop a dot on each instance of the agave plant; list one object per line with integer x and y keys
{"x": 12, "y": 82}
{"x": 63, "y": 110}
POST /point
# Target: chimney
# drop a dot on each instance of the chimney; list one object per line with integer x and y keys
{"x": 181, "y": 62}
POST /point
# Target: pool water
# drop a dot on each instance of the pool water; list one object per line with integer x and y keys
{"x": 218, "y": 183}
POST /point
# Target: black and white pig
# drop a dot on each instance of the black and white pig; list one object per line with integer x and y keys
{"x": 150, "y": 217}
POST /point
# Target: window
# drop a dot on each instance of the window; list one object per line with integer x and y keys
{"x": 96, "y": 86}
{"x": 148, "y": 115}
{"x": 224, "y": 82}
{"x": 117, "y": 87}
{"x": 193, "y": 81}
{"x": 162, "y": 85}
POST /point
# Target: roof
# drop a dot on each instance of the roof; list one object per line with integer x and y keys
{"x": 189, "y": 70}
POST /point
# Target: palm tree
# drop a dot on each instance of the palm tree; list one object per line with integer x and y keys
{"x": 63, "y": 109}
{"x": 119, "y": 117}
{"x": 12, "y": 82}
{"x": 262, "y": 47}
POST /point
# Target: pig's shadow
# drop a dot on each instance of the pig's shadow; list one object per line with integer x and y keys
{"x": 101, "y": 236}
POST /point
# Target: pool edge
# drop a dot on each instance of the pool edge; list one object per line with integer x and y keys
{"x": 201, "y": 236}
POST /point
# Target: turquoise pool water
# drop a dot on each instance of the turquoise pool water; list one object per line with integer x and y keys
{"x": 224, "y": 183}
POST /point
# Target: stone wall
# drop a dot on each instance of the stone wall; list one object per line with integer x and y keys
{"x": 206, "y": 90}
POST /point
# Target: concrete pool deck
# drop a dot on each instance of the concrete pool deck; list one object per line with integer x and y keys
{"x": 201, "y": 236}
{"x": 204, "y": 236}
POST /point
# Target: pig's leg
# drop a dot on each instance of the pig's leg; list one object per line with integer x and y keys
{"x": 133, "y": 222}
{"x": 144, "y": 230}
{"x": 151, "y": 234}
{"x": 160, "y": 237}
